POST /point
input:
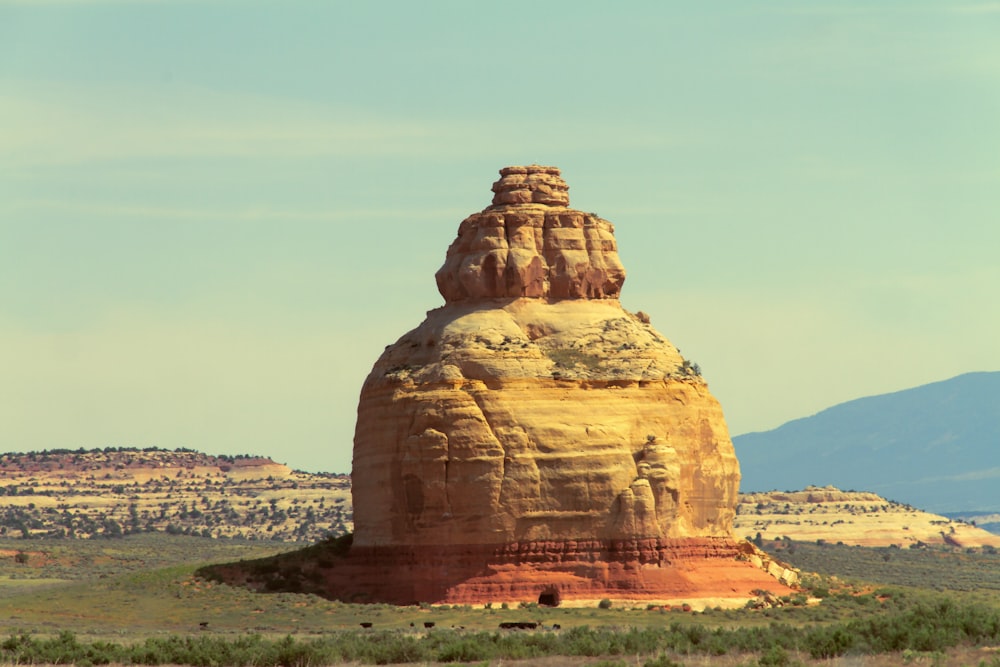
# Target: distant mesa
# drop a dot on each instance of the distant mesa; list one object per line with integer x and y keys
{"x": 861, "y": 518}
{"x": 533, "y": 441}
{"x": 118, "y": 491}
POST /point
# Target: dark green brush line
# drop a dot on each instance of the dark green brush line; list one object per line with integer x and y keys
{"x": 905, "y": 622}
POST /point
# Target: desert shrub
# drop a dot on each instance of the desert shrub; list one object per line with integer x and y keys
{"x": 690, "y": 368}
{"x": 641, "y": 641}
{"x": 830, "y": 642}
{"x": 776, "y": 656}
{"x": 604, "y": 604}
{"x": 63, "y": 649}
{"x": 584, "y": 641}
{"x": 607, "y": 641}
{"x": 569, "y": 358}
{"x": 760, "y": 639}
{"x": 386, "y": 649}
{"x": 463, "y": 649}
{"x": 662, "y": 661}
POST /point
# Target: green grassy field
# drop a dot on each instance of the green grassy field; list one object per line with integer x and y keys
{"x": 140, "y": 594}
{"x": 941, "y": 569}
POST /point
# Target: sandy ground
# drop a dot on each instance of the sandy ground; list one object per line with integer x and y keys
{"x": 696, "y": 604}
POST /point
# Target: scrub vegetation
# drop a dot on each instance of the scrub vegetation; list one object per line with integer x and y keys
{"x": 119, "y": 491}
{"x": 138, "y": 600}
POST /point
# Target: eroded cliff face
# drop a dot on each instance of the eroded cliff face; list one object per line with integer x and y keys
{"x": 531, "y": 420}
{"x": 530, "y": 244}
{"x": 531, "y": 414}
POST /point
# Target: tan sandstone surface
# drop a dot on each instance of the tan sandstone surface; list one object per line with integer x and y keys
{"x": 851, "y": 517}
{"x": 532, "y": 439}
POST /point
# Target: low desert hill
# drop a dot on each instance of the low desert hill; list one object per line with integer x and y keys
{"x": 115, "y": 491}
{"x": 933, "y": 446}
{"x": 854, "y": 518}
{"x": 988, "y": 520}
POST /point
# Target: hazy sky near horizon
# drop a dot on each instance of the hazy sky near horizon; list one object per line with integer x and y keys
{"x": 214, "y": 215}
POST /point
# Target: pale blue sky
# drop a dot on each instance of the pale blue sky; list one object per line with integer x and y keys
{"x": 214, "y": 215}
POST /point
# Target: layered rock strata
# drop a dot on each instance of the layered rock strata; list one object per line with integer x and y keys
{"x": 530, "y": 244}
{"x": 532, "y": 439}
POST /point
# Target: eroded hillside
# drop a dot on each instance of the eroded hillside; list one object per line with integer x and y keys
{"x": 108, "y": 493}
{"x": 855, "y": 518}
{"x": 116, "y": 491}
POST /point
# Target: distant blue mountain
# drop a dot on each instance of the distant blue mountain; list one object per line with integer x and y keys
{"x": 936, "y": 447}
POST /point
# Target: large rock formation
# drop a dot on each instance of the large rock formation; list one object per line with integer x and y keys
{"x": 531, "y": 439}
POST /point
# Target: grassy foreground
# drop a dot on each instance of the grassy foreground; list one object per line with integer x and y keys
{"x": 137, "y": 601}
{"x": 904, "y": 624}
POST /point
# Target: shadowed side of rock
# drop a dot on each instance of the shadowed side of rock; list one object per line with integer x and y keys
{"x": 652, "y": 570}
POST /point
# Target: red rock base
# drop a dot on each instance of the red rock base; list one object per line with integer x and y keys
{"x": 548, "y": 572}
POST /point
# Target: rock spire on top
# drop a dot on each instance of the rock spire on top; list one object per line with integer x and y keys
{"x": 532, "y": 184}
{"x": 529, "y": 243}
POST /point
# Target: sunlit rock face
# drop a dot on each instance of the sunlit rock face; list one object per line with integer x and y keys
{"x": 531, "y": 437}
{"x": 530, "y": 244}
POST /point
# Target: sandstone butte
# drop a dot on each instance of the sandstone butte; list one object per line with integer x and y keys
{"x": 532, "y": 441}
